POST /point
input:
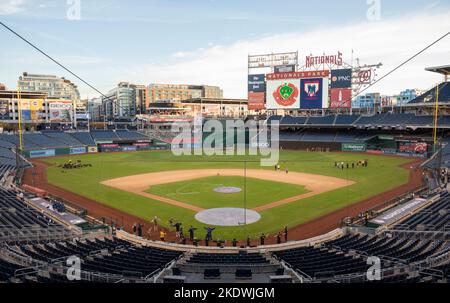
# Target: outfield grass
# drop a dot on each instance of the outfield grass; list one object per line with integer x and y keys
{"x": 382, "y": 174}
{"x": 200, "y": 192}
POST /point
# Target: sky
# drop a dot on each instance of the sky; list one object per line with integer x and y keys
{"x": 208, "y": 41}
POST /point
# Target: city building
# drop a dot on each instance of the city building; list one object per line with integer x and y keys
{"x": 158, "y": 92}
{"x": 120, "y": 101}
{"x": 142, "y": 103}
{"x": 53, "y": 86}
{"x": 367, "y": 101}
{"x": 95, "y": 109}
{"x": 206, "y": 107}
{"x": 34, "y": 107}
{"x": 408, "y": 95}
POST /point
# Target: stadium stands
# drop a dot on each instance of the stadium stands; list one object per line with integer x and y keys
{"x": 84, "y": 137}
{"x": 57, "y": 139}
{"x": 17, "y": 214}
{"x": 104, "y": 135}
{"x": 288, "y": 120}
{"x": 326, "y": 120}
{"x": 311, "y": 136}
{"x": 319, "y": 262}
{"x": 64, "y": 138}
{"x": 106, "y": 256}
{"x": 435, "y": 217}
{"x": 430, "y": 96}
{"x": 373, "y": 121}
{"x": 346, "y": 119}
{"x": 130, "y": 135}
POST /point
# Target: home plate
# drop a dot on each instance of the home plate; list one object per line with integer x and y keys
{"x": 227, "y": 216}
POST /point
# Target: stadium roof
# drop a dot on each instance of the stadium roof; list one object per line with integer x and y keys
{"x": 430, "y": 96}
{"x": 444, "y": 70}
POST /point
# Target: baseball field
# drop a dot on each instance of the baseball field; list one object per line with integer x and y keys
{"x": 148, "y": 184}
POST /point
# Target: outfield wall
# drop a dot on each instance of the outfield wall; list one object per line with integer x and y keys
{"x": 332, "y": 146}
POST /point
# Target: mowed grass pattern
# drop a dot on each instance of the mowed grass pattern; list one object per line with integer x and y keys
{"x": 200, "y": 192}
{"x": 383, "y": 174}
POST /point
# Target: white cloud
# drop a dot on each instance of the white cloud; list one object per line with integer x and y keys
{"x": 9, "y": 7}
{"x": 389, "y": 41}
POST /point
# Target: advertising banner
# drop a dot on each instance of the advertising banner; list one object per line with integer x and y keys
{"x": 4, "y": 109}
{"x": 37, "y": 110}
{"x": 413, "y": 147}
{"x": 353, "y": 147}
{"x": 92, "y": 149}
{"x": 341, "y": 78}
{"x": 42, "y": 153}
{"x": 141, "y": 144}
{"x": 129, "y": 148}
{"x": 26, "y": 114}
{"x": 60, "y": 111}
{"x": 283, "y": 94}
{"x": 25, "y": 110}
{"x": 340, "y": 98}
{"x": 298, "y": 75}
{"x": 77, "y": 150}
{"x": 256, "y": 101}
{"x": 284, "y": 68}
{"x": 257, "y": 83}
{"x": 314, "y": 93}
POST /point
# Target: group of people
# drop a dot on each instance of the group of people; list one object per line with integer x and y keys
{"x": 347, "y": 165}
{"x": 137, "y": 229}
{"x": 182, "y": 239}
{"x": 278, "y": 168}
{"x": 283, "y": 234}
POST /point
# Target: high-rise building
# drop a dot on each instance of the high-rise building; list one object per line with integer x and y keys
{"x": 120, "y": 101}
{"x": 142, "y": 103}
{"x": 158, "y": 92}
{"x": 54, "y": 86}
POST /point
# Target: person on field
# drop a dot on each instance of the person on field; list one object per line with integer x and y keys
{"x": 209, "y": 231}
{"x": 162, "y": 235}
{"x": 248, "y": 241}
{"x": 287, "y": 171}
{"x": 285, "y": 234}
{"x": 192, "y": 232}
{"x": 139, "y": 230}
{"x": 154, "y": 221}
{"x": 177, "y": 226}
{"x": 134, "y": 228}
{"x": 183, "y": 240}
{"x": 181, "y": 232}
{"x": 278, "y": 236}
{"x": 262, "y": 239}
{"x": 150, "y": 231}
{"x": 234, "y": 242}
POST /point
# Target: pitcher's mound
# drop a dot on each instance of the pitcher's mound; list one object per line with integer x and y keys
{"x": 227, "y": 189}
{"x": 227, "y": 216}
